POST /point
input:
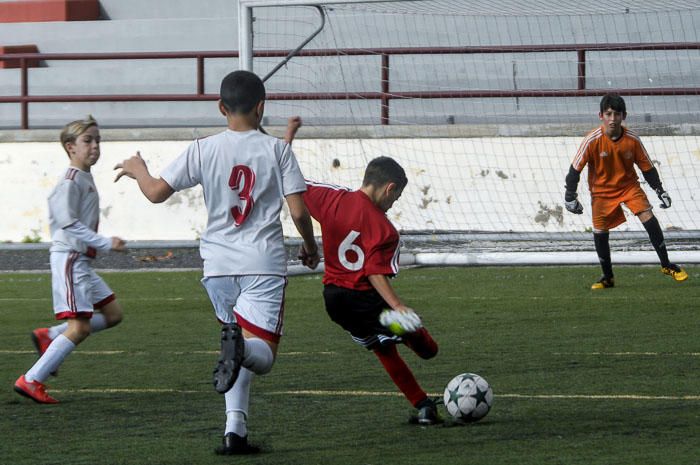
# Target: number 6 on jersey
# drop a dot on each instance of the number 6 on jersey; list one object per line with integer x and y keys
{"x": 346, "y": 246}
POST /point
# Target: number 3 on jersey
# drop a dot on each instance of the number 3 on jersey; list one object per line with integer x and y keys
{"x": 347, "y": 246}
{"x": 242, "y": 180}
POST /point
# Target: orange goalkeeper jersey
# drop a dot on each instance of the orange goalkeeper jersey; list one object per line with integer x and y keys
{"x": 611, "y": 163}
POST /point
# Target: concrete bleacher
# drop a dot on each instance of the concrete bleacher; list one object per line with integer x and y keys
{"x": 125, "y": 26}
{"x": 31, "y": 11}
{"x": 185, "y": 25}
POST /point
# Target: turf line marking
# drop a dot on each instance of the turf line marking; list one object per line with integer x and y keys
{"x": 634, "y": 354}
{"x": 351, "y": 393}
{"x": 508, "y": 396}
{"x": 193, "y": 352}
{"x": 298, "y": 354}
{"x": 122, "y": 299}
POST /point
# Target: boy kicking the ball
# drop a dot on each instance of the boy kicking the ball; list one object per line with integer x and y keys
{"x": 361, "y": 250}
{"x": 246, "y": 176}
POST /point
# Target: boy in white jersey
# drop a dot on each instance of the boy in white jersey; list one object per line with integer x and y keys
{"x": 245, "y": 175}
{"x": 79, "y": 294}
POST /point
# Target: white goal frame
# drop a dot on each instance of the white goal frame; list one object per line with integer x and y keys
{"x": 522, "y": 257}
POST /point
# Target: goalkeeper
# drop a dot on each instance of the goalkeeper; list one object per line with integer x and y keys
{"x": 611, "y": 151}
{"x": 361, "y": 250}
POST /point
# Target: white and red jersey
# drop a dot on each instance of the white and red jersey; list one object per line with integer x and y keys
{"x": 358, "y": 238}
{"x": 245, "y": 177}
{"x": 73, "y": 199}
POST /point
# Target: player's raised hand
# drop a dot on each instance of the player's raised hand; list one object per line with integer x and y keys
{"x": 130, "y": 167}
{"x": 293, "y": 125}
{"x": 571, "y": 203}
{"x": 118, "y": 244}
{"x": 664, "y": 197}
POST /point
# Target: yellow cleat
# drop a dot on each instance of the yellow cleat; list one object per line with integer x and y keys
{"x": 604, "y": 283}
{"x": 676, "y": 272}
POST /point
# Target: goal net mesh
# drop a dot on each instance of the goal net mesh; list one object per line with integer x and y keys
{"x": 485, "y": 103}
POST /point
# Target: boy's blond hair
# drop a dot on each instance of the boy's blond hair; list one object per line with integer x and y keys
{"x": 74, "y": 129}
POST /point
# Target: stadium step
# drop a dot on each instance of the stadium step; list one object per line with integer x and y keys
{"x": 49, "y": 10}
{"x": 15, "y": 63}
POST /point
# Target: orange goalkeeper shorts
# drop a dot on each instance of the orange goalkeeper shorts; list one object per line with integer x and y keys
{"x": 607, "y": 211}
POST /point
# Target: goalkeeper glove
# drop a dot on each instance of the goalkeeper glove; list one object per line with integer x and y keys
{"x": 571, "y": 203}
{"x": 400, "y": 323}
{"x": 664, "y": 197}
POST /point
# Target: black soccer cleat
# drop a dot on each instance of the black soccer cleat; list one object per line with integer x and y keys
{"x": 234, "y": 444}
{"x": 427, "y": 413}
{"x": 229, "y": 363}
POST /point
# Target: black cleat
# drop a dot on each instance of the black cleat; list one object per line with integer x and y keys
{"x": 229, "y": 363}
{"x": 236, "y": 445}
{"x": 427, "y": 413}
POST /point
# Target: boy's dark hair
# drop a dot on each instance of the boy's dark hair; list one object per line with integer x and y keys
{"x": 613, "y": 101}
{"x": 383, "y": 170}
{"x": 241, "y": 91}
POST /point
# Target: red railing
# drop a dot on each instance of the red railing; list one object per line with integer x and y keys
{"x": 384, "y": 94}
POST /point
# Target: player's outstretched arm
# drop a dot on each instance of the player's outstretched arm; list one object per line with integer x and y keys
{"x": 302, "y": 220}
{"x": 155, "y": 189}
{"x": 293, "y": 125}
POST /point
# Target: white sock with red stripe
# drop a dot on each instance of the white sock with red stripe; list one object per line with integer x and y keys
{"x": 98, "y": 322}
{"x": 237, "y": 400}
{"x": 51, "y": 360}
{"x": 258, "y": 356}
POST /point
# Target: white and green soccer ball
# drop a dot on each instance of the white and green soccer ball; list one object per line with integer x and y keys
{"x": 468, "y": 397}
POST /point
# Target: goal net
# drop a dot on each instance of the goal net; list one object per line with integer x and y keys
{"x": 485, "y": 104}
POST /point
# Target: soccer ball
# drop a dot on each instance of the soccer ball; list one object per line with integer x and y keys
{"x": 468, "y": 397}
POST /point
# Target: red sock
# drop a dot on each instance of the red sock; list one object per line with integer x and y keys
{"x": 400, "y": 373}
{"x": 422, "y": 343}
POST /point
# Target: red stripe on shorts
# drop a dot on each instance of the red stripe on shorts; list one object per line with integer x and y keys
{"x": 258, "y": 331}
{"x": 70, "y": 294}
{"x": 105, "y": 301}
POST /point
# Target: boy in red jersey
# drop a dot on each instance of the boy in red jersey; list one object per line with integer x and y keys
{"x": 611, "y": 152}
{"x": 361, "y": 250}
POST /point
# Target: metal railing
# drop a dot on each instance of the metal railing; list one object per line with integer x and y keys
{"x": 384, "y": 94}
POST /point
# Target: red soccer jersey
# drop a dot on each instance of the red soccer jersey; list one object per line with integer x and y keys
{"x": 358, "y": 238}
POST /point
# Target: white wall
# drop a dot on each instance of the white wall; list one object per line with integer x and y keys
{"x": 490, "y": 184}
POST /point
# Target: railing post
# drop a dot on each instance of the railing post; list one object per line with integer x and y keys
{"x": 581, "y": 69}
{"x": 200, "y": 75}
{"x": 24, "y": 92}
{"x": 385, "y": 89}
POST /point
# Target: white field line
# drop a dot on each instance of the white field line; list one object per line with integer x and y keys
{"x": 358, "y": 393}
{"x": 193, "y": 352}
{"x": 121, "y": 299}
{"x": 301, "y": 354}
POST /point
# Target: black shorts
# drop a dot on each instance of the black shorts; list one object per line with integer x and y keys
{"x": 358, "y": 313}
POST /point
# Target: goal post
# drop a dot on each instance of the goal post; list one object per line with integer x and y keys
{"x": 485, "y": 105}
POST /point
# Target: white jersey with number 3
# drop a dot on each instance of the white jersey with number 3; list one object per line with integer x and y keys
{"x": 245, "y": 177}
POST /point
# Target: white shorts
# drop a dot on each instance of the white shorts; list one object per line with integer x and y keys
{"x": 255, "y": 302}
{"x": 77, "y": 289}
